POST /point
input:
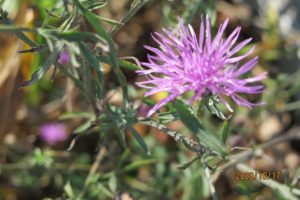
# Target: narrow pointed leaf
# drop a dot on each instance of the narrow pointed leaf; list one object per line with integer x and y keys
{"x": 83, "y": 127}
{"x": 138, "y": 163}
{"x": 93, "y": 21}
{"x": 91, "y": 59}
{"x": 140, "y": 140}
{"x": 74, "y": 36}
{"x": 187, "y": 164}
{"x": 92, "y": 4}
{"x": 37, "y": 75}
{"x": 194, "y": 125}
{"x": 225, "y": 131}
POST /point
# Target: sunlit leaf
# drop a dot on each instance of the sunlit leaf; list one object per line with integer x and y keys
{"x": 93, "y": 4}
{"x": 194, "y": 125}
{"x": 69, "y": 190}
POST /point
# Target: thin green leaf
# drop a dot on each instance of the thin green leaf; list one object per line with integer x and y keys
{"x": 122, "y": 138}
{"x": 19, "y": 34}
{"x": 225, "y": 131}
{"x": 69, "y": 190}
{"x": 194, "y": 125}
{"x": 187, "y": 164}
{"x": 93, "y": 5}
{"x": 93, "y": 21}
{"x": 112, "y": 182}
{"x": 15, "y": 30}
{"x": 37, "y": 75}
{"x": 124, "y": 64}
{"x": 83, "y": 127}
{"x": 109, "y": 21}
{"x": 212, "y": 107}
{"x": 71, "y": 115}
{"x": 22, "y": 36}
{"x": 188, "y": 118}
{"x": 137, "y": 164}
{"x": 34, "y": 49}
{"x": 91, "y": 59}
{"x": 74, "y": 36}
{"x": 128, "y": 65}
{"x": 166, "y": 117}
{"x": 77, "y": 82}
{"x": 149, "y": 102}
{"x": 66, "y": 25}
{"x": 136, "y": 5}
{"x": 140, "y": 140}
{"x": 103, "y": 190}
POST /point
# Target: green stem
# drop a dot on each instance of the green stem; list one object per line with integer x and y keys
{"x": 210, "y": 183}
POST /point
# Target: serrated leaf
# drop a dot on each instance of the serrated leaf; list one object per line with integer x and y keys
{"x": 194, "y": 125}
{"x": 37, "y": 75}
{"x": 140, "y": 140}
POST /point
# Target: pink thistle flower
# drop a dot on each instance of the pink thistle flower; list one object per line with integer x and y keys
{"x": 64, "y": 58}
{"x": 53, "y": 133}
{"x": 204, "y": 65}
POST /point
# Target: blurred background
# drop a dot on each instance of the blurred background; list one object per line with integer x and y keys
{"x": 35, "y": 163}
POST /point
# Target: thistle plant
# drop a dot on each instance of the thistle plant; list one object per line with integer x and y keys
{"x": 196, "y": 68}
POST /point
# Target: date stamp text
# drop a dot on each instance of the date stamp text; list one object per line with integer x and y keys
{"x": 238, "y": 175}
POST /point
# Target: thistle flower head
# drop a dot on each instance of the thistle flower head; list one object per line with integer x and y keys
{"x": 203, "y": 64}
{"x": 53, "y": 133}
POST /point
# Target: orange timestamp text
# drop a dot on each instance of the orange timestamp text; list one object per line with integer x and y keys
{"x": 238, "y": 175}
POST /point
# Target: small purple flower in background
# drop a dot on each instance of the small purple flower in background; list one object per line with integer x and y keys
{"x": 53, "y": 133}
{"x": 64, "y": 57}
{"x": 143, "y": 110}
{"x": 204, "y": 65}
